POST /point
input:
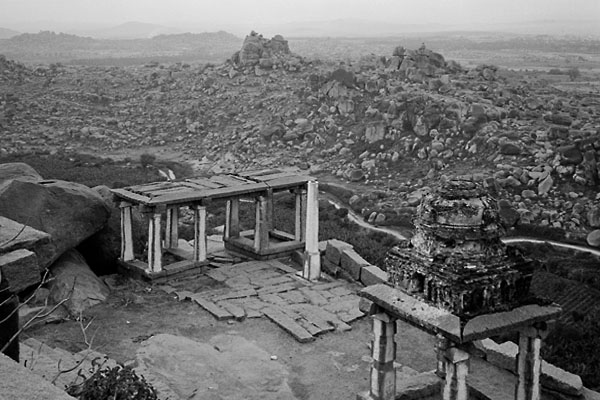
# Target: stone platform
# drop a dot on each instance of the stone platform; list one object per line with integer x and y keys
{"x": 272, "y": 289}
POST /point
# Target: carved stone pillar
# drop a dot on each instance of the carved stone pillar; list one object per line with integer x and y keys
{"x": 172, "y": 228}
{"x": 529, "y": 363}
{"x": 126, "y": 232}
{"x": 154, "y": 242}
{"x": 457, "y": 369}
{"x": 312, "y": 257}
{"x": 383, "y": 374}
{"x": 199, "y": 233}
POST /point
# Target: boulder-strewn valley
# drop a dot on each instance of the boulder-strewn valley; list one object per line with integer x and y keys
{"x": 379, "y": 122}
{"x": 396, "y": 120}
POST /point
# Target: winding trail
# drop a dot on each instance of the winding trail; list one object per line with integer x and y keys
{"x": 357, "y": 219}
{"x": 354, "y": 217}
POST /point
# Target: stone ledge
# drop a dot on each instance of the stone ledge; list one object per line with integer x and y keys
{"x": 352, "y": 262}
{"x": 372, "y": 275}
{"x": 20, "y": 269}
{"x": 334, "y": 249}
{"x": 552, "y": 378}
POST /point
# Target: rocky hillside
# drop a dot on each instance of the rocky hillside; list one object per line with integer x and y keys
{"x": 395, "y": 122}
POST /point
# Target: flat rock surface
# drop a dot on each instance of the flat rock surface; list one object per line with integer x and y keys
{"x": 272, "y": 289}
{"x": 227, "y": 367}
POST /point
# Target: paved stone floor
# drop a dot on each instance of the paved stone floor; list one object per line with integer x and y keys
{"x": 272, "y": 289}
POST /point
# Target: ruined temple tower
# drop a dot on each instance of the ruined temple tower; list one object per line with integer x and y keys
{"x": 457, "y": 280}
{"x": 455, "y": 260}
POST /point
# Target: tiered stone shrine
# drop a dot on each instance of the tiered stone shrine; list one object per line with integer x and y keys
{"x": 456, "y": 279}
{"x": 456, "y": 260}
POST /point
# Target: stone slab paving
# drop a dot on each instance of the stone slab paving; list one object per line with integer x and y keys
{"x": 273, "y": 289}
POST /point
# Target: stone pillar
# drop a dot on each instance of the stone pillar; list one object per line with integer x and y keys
{"x": 199, "y": 233}
{"x": 457, "y": 369}
{"x": 154, "y": 242}
{"x": 529, "y": 363}
{"x": 172, "y": 228}
{"x": 270, "y": 211}
{"x": 383, "y": 374}
{"x": 441, "y": 345}
{"x": 232, "y": 218}
{"x": 261, "y": 227}
{"x": 300, "y": 223}
{"x": 126, "y": 232}
{"x": 312, "y": 257}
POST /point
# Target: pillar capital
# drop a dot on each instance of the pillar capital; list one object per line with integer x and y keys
{"x": 384, "y": 317}
{"x": 456, "y": 355}
{"x": 533, "y": 331}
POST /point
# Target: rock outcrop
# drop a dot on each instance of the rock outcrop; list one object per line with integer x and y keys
{"x": 68, "y": 211}
{"x": 232, "y": 368}
{"x": 75, "y": 282}
{"x": 255, "y": 48}
{"x": 265, "y": 54}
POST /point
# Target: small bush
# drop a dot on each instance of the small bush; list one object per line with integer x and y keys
{"x": 147, "y": 160}
{"x": 117, "y": 383}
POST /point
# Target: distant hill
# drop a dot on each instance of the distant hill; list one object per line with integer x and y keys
{"x": 7, "y": 33}
{"x": 372, "y": 28}
{"x": 129, "y": 30}
{"x": 62, "y": 47}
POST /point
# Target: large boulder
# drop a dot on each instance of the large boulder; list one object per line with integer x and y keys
{"x": 509, "y": 216}
{"x": 593, "y": 217}
{"x": 593, "y": 238}
{"x": 19, "y": 171}
{"x": 75, "y": 281}
{"x": 69, "y": 212}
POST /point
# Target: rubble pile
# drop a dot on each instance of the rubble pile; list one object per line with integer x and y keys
{"x": 264, "y": 53}
{"x": 397, "y": 123}
{"x": 456, "y": 260}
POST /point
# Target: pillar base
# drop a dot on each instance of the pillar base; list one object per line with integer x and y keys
{"x": 312, "y": 266}
{"x": 365, "y": 396}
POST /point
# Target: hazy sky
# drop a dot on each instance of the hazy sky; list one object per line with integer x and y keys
{"x": 281, "y": 11}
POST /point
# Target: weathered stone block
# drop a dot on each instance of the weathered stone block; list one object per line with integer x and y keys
{"x": 553, "y": 378}
{"x": 371, "y": 275}
{"x": 501, "y": 355}
{"x": 15, "y": 236}
{"x": 333, "y": 251}
{"x": 330, "y": 268}
{"x": 558, "y": 379}
{"x": 20, "y": 269}
{"x": 352, "y": 262}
